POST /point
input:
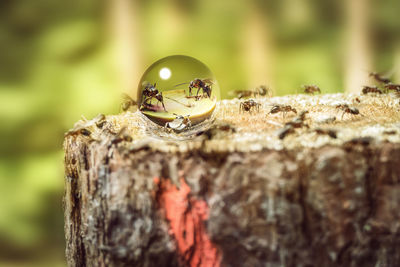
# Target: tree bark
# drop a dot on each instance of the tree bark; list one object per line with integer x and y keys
{"x": 238, "y": 197}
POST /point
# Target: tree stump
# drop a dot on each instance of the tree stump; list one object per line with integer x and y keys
{"x": 250, "y": 191}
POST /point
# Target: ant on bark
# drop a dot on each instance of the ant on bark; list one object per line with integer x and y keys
{"x": 378, "y": 77}
{"x": 346, "y": 109}
{"x": 282, "y": 108}
{"x": 371, "y": 89}
{"x": 248, "y": 105}
{"x": 311, "y": 89}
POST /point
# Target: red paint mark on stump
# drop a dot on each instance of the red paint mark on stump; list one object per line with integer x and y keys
{"x": 186, "y": 216}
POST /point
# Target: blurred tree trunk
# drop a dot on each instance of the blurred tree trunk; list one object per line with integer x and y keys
{"x": 358, "y": 56}
{"x": 125, "y": 41}
{"x": 257, "y": 48}
{"x": 174, "y": 21}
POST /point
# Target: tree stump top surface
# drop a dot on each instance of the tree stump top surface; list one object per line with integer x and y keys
{"x": 132, "y": 199}
{"x": 379, "y": 119}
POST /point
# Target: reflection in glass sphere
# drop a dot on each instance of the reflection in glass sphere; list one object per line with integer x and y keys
{"x": 175, "y": 87}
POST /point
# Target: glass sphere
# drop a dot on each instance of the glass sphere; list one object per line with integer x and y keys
{"x": 178, "y": 87}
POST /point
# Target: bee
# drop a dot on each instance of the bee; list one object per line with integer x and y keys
{"x": 127, "y": 102}
{"x": 371, "y": 89}
{"x": 331, "y": 133}
{"x": 392, "y": 87}
{"x": 282, "y": 108}
{"x": 200, "y": 84}
{"x": 248, "y": 105}
{"x": 262, "y": 90}
{"x": 347, "y": 109}
{"x": 150, "y": 91}
{"x": 378, "y": 77}
{"x": 311, "y": 89}
{"x": 180, "y": 123}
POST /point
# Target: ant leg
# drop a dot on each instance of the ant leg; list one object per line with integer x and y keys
{"x": 197, "y": 93}
{"x": 144, "y": 103}
{"x": 343, "y": 114}
{"x": 162, "y": 102}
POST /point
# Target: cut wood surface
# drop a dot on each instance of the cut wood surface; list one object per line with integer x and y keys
{"x": 253, "y": 190}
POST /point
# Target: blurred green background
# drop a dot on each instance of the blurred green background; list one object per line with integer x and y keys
{"x": 63, "y": 59}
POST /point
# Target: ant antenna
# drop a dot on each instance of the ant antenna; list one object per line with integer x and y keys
{"x": 180, "y": 84}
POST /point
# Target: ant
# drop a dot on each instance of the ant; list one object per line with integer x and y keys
{"x": 392, "y": 87}
{"x": 282, "y": 108}
{"x": 120, "y": 136}
{"x": 331, "y": 133}
{"x": 127, "y": 102}
{"x": 82, "y": 127}
{"x": 390, "y": 132}
{"x": 204, "y": 84}
{"x": 298, "y": 122}
{"x": 179, "y": 123}
{"x": 371, "y": 89}
{"x": 75, "y": 132}
{"x": 302, "y": 115}
{"x": 262, "y": 90}
{"x": 378, "y": 77}
{"x": 100, "y": 120}
{"x": 286, "y": 130}
{"x": 311, "y": 89}
{"x": 346, "y": 109}
{"x": 243, "y": 93}
{"x": 290, "y": 126}
{"x": 150, "y": 91}
{"x": 248, "y": 105}
{"x": 215, "y": 129}
{"x": 328, "y": 120}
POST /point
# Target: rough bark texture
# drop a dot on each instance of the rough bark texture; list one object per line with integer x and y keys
{"x": 149, "y": 202}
